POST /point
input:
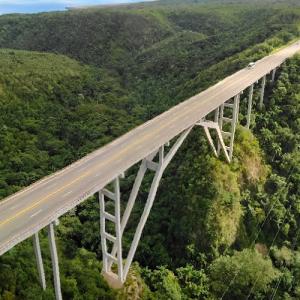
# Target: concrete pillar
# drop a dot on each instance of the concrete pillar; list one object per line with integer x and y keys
{"x": 237, "y": 110}
{"x": 221, "y": 115}
{"x": 118, "y": 228}
{"x": 217, "y": 114}
{"x": 273, "y": 75}
{"x": 39, "y": 260}
{"x": 250, "y": 106}
{"x": 102, "y": 231}
{"x": 262, "y": 93}
{"x": 234, "y": 123}
{"x": 54, "y": 258}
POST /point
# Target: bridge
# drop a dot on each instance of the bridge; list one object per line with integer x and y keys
{"x": 153, "y": 144}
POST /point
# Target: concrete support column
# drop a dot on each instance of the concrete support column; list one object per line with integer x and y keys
{"x": 250, "y": 106}
{"x": 220, "y": 122}
{"x": 54, "y": 258}
{"x": 102, "y": 231}
{"x": 273, "y": 75}
{"x": 114, "y": 279}
{"x": 39, "y": 260}
{"x": 118, "y": 227}
{"x": 263, "y": 86}
{"x": 235, "y": 117}
{"x": 217, "y": 114}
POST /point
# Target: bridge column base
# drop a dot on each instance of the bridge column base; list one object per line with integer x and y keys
{"x": 112, "y": 280}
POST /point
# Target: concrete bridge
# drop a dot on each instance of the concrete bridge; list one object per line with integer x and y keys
{"x": 154, "y": 144}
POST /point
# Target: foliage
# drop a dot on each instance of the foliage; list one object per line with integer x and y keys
{"x": 61, "y": 109}
{"x": 135, "y": 287}
{"x": 114, "y": 68}
{"x": 194, "y": 283}
{"x": 164, "y": 282}
{"x": 244, "y": 272}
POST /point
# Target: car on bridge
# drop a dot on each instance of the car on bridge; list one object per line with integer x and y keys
{"x": 251, "y": 65}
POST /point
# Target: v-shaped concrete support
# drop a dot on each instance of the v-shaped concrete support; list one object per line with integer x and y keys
{"x": 39, "y": 260}
{"x": 213, "y": 125}
{"x": 54, "y": 258}
{"x": 117, "y": 279}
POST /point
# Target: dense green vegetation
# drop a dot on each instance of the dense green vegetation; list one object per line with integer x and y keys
{"x": 71, "y": 82}
{"x": 60, "y": 108}
{"x": 154, "y": 49}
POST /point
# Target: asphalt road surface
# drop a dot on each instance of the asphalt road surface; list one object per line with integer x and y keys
{"x": 28, "y": 211}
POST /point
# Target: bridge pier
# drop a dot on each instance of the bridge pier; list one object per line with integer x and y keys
{"x": 217, "y": 114}
{"x": 114, "y": 256}
{"x": 115, "y": 280}
{"x": 262, "y": 94}
{"x": 39, "y": 260}
{"x": 54, "y": 258}
{"x": 213, "y": 125}
{"x": 220, "y": 119}
{"x": 273, "y": 75}
{"x": 249, "y": 111}
{"x": 234, "y": 122}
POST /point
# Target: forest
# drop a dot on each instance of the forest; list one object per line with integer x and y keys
{"x": 71, "y": 82}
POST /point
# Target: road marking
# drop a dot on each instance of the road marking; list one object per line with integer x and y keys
{"x": 36, "y": 213}
{"x": 13, "y": 207}
{"x": 66, "y": 194}
{"x": 53, "y": 185}
{"x": 84, "y": 167}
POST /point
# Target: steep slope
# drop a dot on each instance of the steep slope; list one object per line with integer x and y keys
{"x": 53, "y": 111}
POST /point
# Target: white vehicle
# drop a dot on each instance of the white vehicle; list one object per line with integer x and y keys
{"x": 251, "y": 65}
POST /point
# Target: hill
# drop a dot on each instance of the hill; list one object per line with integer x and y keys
{"x": 151, "y": 49}
{"x": 53, "y": 111}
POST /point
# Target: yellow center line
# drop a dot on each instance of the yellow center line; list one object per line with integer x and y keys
{"x": 122, "y": 152}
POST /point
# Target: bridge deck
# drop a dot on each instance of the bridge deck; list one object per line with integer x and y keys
{"x": 33, "y": 208}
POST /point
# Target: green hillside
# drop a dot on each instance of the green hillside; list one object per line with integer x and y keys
{"x": 152, "y": 48}
{"x": 71, "y": 82}
{"x": 53, "y": 111}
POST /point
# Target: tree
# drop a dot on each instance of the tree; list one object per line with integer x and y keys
{"x": 194, "y": 283}
{"x": 243, "y": 273}
{"x": 164, "y": 283}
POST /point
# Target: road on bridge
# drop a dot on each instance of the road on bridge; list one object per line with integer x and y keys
{"x": 33, "y": 208}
